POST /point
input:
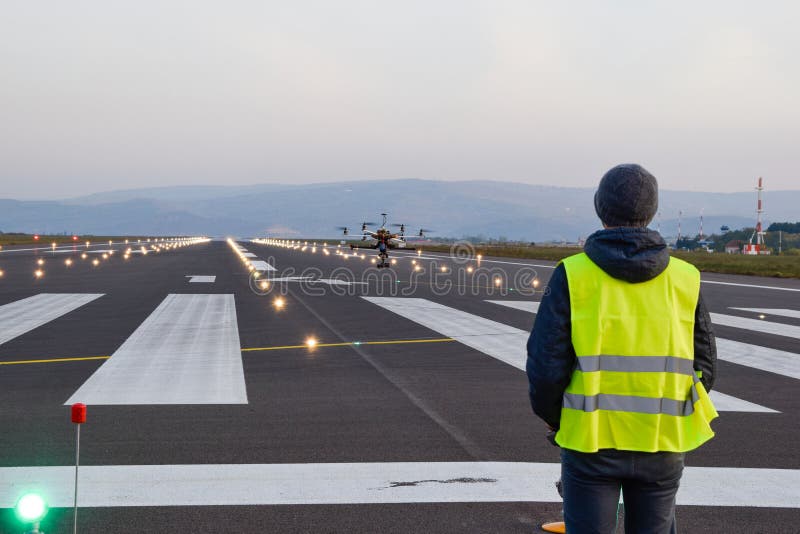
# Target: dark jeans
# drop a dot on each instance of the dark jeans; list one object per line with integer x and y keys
{"x": 592, "y": 484}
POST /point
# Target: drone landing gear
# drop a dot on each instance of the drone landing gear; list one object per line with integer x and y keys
{"x": 383, "y": 261}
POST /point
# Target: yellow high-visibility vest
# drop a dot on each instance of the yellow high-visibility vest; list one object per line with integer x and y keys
{"x": 634, "y": 387}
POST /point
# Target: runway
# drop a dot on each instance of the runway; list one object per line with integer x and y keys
{"x": 243, "y": 386}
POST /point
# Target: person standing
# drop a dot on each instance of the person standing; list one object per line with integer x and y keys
{"x": 620, "y": 362}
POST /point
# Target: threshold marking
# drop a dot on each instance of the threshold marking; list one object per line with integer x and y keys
{"x": 782, "y": 312}
{"x": 756, "y": 325}
{"x": 363, "y": 483}
{"x": 186, "y": 352}
{"x": 755, "y": 356}
{"x": 748, "y": 285}
{"x": 500, "y": 341}
{"x": 24, "y": 315}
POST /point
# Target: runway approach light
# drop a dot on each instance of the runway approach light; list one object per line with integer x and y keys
{"x": 38, "y": 273}
{"x": 68, "y": 262}
{"x": 1, "y": 273}
{"x": 279, "y": 303}
{"x": 40, "y": 261}
{"x": 95, "y": 262}
{"x": 311, "y": 342}
{"x": 535, "y": 282}
{"x": 498, "y": 281}
{"x": 762, "y": 316}
{"x": 30, "y": 508}
{"x": 469, "y": 269}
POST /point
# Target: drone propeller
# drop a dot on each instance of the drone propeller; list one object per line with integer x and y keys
{"x": 344, "y": 229}
{"x": 402, "y": 228}
{"x": 423, "y": 231}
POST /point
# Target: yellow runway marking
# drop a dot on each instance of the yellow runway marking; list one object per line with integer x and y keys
{"x": 354, "y": 343}
{"x": 84, "y": 358}
{"x": 253, "y": 349}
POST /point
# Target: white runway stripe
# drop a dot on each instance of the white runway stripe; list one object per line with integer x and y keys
{"x": 249, "y": 255}
{"x": 749, "y": 285}
{"x": 782, "y": 312}
{"x": 201, "y": 279}
{"x": 262, "y": 266}
{"x": 531, "y": 306}
{"x": 24, "y": 315}
{"x": 500, "y": 341}
{"x": 363, "y": 483}
{"x": 771, "y": 360}
{"x": 186, "y": 352}
{"x": 764, "y": 358}
{"x": 497, "y": 340}
{"x": 728, "y": 403}
{"x": 756, "y": 325}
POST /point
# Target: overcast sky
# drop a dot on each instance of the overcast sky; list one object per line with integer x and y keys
{"x": 102, "y": 95}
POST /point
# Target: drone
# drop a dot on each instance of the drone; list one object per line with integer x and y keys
{"x": 383, "y": 239}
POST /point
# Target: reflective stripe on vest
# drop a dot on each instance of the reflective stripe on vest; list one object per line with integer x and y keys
{"x": 617, "y": 397}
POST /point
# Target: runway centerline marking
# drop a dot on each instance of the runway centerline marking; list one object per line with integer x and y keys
{"x": 186, "y": 352}
{"x": 362, "y": 483}
{"x": 22, "y": 316}
{"x": 261, "y": 266}
{"x": 201, "y": 278}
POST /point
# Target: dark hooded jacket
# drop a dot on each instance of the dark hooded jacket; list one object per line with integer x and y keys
{"x": 630, "y": 254}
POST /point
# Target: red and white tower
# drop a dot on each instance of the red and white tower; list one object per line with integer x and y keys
{"x": 758, "y": 247}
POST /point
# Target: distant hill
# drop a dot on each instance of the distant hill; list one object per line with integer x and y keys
{"x": 454, "y": 209}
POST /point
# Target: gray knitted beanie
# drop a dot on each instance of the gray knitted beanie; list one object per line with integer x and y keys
{"x": 627, "y": 196}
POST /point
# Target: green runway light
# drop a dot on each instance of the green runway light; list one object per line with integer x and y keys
{"x": 30, "y": 508}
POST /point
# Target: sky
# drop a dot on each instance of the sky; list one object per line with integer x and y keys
{"x": 99, "y": 95}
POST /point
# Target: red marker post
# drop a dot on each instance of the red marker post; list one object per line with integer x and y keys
{"x": 78, "y": 417}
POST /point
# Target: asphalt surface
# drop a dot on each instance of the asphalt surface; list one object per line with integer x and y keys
{"x": 432, "y": 400}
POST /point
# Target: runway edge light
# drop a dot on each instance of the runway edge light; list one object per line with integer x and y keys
{"x": 30, "y": 509}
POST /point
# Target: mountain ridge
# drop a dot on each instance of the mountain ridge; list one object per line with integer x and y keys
{"x": 488, "y": 208}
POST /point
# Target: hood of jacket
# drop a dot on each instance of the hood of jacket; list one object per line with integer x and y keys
{"x": 630, "y": 254}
